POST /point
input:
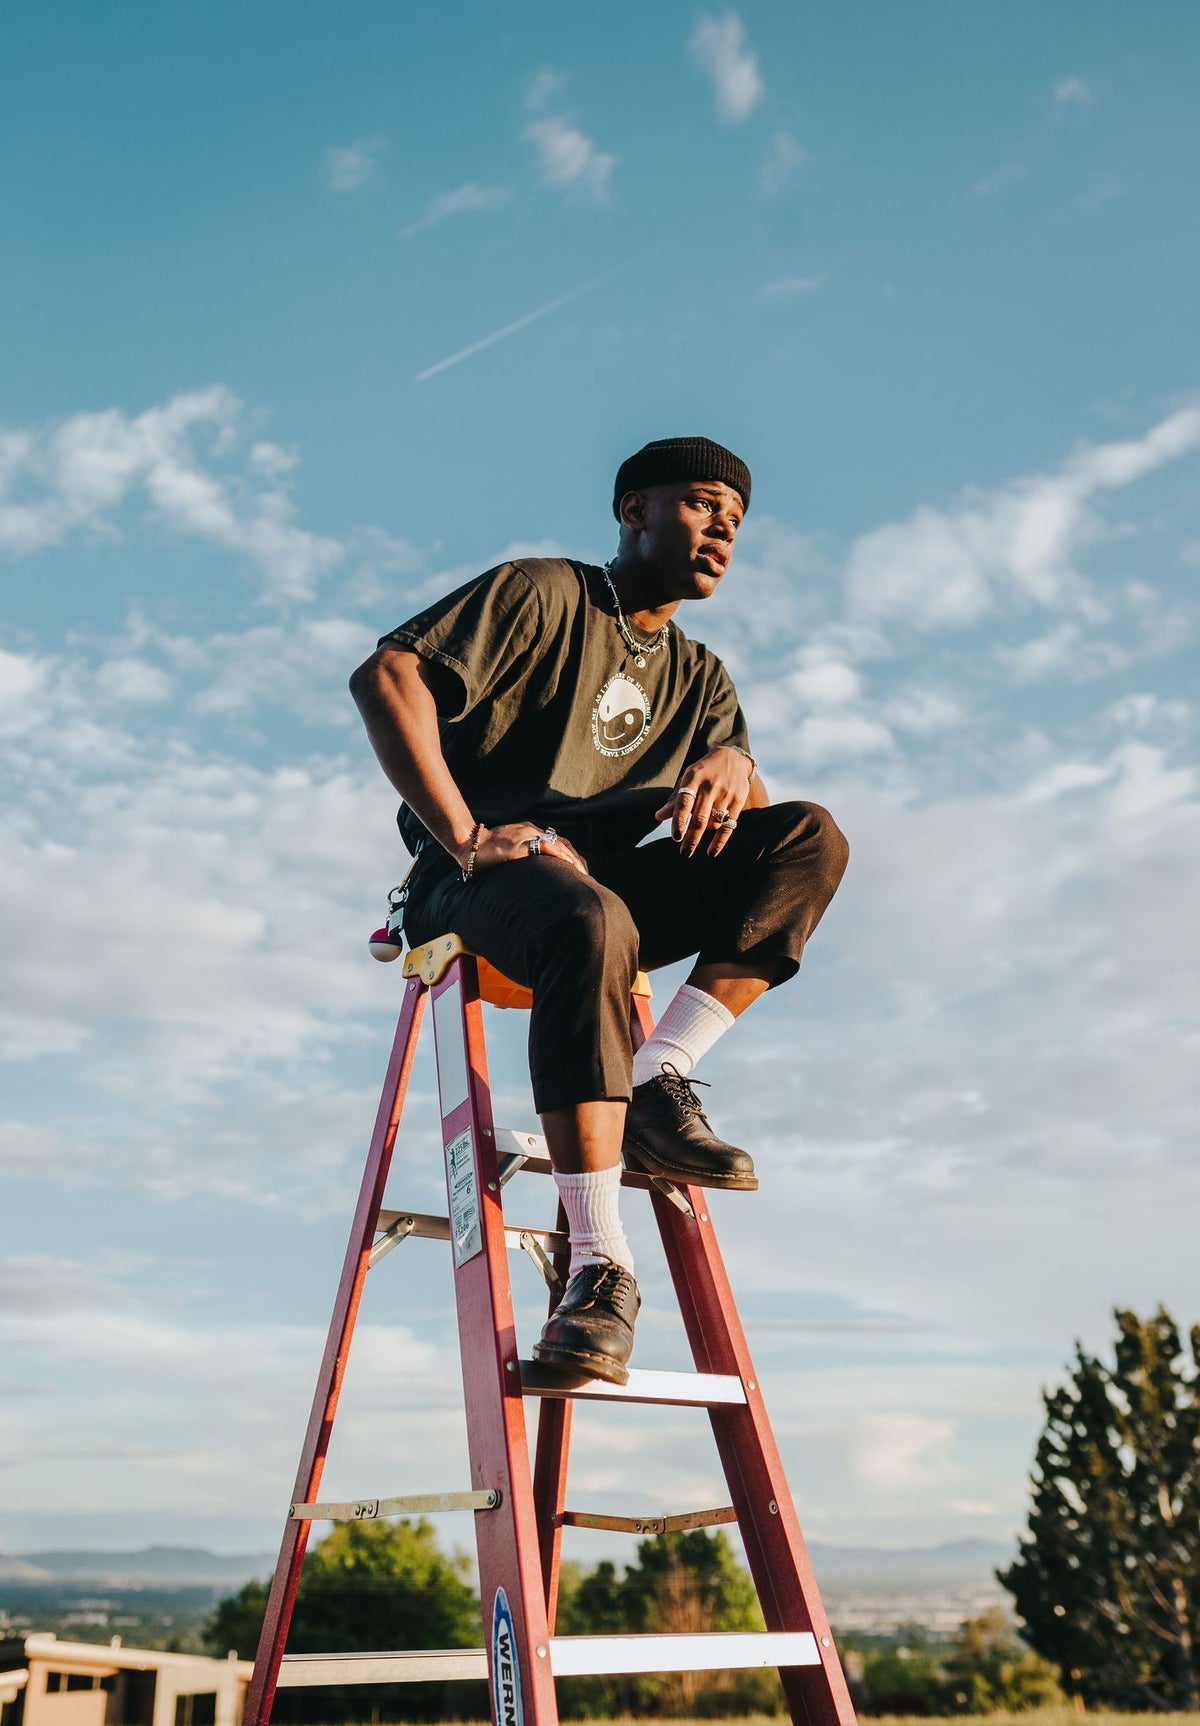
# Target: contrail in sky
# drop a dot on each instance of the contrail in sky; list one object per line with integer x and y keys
{"x": 511, "y": 329}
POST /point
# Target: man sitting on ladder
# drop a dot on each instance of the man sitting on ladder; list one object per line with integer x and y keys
{"x": 538, "y": 723}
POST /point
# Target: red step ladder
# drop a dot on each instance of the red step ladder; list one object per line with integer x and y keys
{"x": 519, "y": 1516}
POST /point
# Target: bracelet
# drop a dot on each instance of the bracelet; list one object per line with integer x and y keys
{"x": 476, "y": 833}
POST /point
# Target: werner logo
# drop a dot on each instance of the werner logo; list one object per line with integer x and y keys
{"x": 506, "y": 1674}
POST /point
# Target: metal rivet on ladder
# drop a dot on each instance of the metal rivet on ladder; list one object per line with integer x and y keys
{"x": 541, "y": 1652}
{"x": 750, "y": 1384}
{"x": 491, "y": 1186}
{"x": 824, "y": 1642}
{"x": 703, "y": 1216}
{"x": 773, "y": 1508}
{"x": 510, "y": 1366}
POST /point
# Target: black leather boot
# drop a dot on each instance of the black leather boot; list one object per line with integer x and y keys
{"x": 667, "y": 1133}
{"x": 590, "y": 1332}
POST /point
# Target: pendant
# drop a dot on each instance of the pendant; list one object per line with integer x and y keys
{"x": 639, "y": 659}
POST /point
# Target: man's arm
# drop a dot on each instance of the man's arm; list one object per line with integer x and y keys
{"x": 394, "y": 694}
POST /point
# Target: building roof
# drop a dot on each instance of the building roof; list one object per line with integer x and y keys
{"x": 44, "y": 1645}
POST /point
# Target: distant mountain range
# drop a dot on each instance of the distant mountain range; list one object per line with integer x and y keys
{"x": 161, "y": 1566}
{"x": 957, "y": 1563}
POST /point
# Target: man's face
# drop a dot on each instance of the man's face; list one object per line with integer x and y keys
{"x": 685, "y": 534}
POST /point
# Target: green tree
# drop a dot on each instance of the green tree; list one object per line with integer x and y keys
{"x": 682, "y": 1583}
{"x": 236, "y": 1621}
{"x": 1107, "y": 1578}
{"x": 988, "y": 1668}
{"x": 905, "y": 1679}
{"x": 983, "y": 1668}
{"x": 367, "y": 1585}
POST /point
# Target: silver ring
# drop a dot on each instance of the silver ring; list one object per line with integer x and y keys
{"x": 549, "y": 837}
{"x": 685, "y": 791}
{"x": 721, "y": 817}
{"x": 535, "y": 846}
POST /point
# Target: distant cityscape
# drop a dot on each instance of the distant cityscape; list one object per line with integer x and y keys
{"x": 160, "y": 1597}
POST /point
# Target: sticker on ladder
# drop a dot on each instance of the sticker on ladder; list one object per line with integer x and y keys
{"x": 506, "y": 1673}
{"x": 463, "y": 1192}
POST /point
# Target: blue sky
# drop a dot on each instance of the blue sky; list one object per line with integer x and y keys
{"x": 307, "y": 314}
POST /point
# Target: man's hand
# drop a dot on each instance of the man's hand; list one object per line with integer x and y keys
{"x": 510, "y": 844}
{"x": 716, "y": 786}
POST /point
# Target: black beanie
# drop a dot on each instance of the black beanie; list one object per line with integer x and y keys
{"x": 675, "y": 458}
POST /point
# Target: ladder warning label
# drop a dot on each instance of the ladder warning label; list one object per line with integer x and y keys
{"x": 464, "y": 1198}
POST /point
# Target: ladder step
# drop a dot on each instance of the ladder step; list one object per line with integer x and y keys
{"x": 721, "y": 1651}
{"x": 570, "y": 1657}
{"x": 415, "y": 1504}
{"x": 527, "y": 1152}
{"x": 437, "y": 1228}
{"x": 647, "y": 1524}
{"x": 686, "y": 1389}
{"x": 424, "y": 1666}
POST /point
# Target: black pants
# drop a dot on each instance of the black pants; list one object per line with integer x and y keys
{"x": 578, "y": 941}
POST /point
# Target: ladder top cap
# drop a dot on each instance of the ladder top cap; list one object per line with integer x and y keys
{"x": 431, "y": 961}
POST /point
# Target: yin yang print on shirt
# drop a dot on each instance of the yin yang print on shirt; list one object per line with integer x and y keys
{"x": 621, "y": 716}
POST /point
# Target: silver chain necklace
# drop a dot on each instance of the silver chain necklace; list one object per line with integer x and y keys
{"x": 635, "y": 647}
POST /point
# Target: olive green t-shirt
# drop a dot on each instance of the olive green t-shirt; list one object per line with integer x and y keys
{"x": 545, "y": 716}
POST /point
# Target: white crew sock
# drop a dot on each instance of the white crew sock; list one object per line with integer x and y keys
{"x": 687, "y": 1030}
{"x": 590, "y": 1202}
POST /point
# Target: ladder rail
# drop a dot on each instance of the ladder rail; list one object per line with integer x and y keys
{"x": 282, "y": 1598}
{"x": 506, "y": 1539}
{"x": 775, "y": 1550}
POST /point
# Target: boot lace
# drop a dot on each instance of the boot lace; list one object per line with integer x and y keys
{"x": 614, "y": 1284}
{"x": 681, "y": 1091}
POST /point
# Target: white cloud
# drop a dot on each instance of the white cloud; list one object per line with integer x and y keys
{"x": 301, "y": 666}
{"x": 1072, "y": 92}
{"x": 837, "y": 737}
{"x": 210, "y": 1406}
{"x": 166, "y": 903}
{"x": 1065, "y": 777}
{"x": 349, "y": 166}
{"x": 272, "y": 458}
{"x": 470, "y": 199}
{"x": 568, "y": 159}
{"x": 22, "y": 680}
{"x": 949, "y": 568}
{"x": 923, "y": 711}
{"x": 1063, "y": 650}
{"x": 718, "y": 47}
{"x": 901, "y": 1451}
{"x": 134, "y": 682}
{"x": 70, "y": 480}
{"x": 821, "y": 679}
{"x": 546, "y": 84}
{"x": 782, "y": 167}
